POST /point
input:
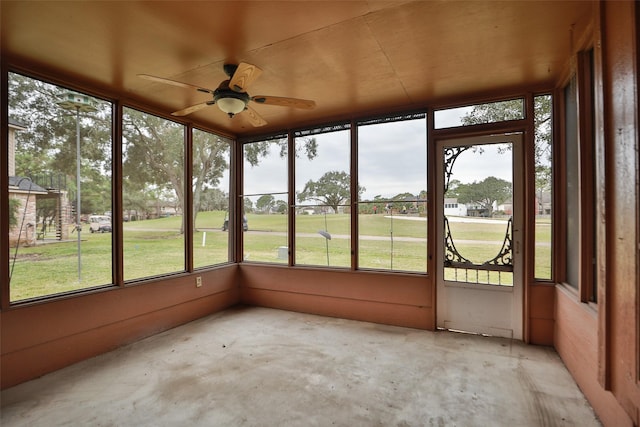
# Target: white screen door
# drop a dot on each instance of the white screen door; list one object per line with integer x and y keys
{"x": 479, "y": 217}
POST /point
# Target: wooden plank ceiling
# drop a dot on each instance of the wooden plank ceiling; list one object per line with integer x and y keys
{"x": 352, "y": 57}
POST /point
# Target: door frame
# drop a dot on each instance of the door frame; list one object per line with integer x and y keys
{"x": 446, "y": 289}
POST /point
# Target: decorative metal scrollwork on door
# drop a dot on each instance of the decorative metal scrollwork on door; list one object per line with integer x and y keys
{"x": 450, "y": 156}
{"x": 503, "y": 261}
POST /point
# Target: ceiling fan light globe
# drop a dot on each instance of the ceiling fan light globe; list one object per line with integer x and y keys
{"x": 231, "y": 105}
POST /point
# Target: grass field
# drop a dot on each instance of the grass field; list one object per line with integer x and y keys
{"x": 156, "y": 247}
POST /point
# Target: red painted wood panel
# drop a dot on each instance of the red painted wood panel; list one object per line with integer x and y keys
{"x": 46, "y": 336}
{"x": 367, "y": 311}
{"x": 576, "y": 340}
{"x": 392, "y": 288}
{"x": 395, "y": 299}
{"x": 621, "y": 135}
{"x": 29, "y": 363}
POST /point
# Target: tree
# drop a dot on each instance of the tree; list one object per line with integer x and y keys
{"x": 265, "y": 203}
{"x": 485, "y": 193}
{"x": 494, "y": 112}
{"x": 214, "y": 199}
{"x": 248, "y": 205}
{"x": 422, "y": 201}
{"x": 332, "y": 189}
{"x": 512, "y": 110}
{"x": 452, "y": 189}
{"x": 281, "y": 206}
{"x": 158, "y": 144}
{"x": 47, "y": 147}
{"x": 254, "y": 151}
{"x": 210, "y": 154}
{"x": 404, "y": 197}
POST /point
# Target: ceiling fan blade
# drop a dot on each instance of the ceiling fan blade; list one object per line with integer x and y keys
{"x": 284, "y": 102}
{"x": 243, "y": 77}
{"x": 254, "y": 117}
{"x": 174, "y": 83}
{"x": 192, "y": 109}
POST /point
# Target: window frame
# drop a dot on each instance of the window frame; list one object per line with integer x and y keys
{"x": 590, "y": 181}
{"x": 358, "y": 148}
{"x": 5, "y": 285}
{"x": 190, "y": 198}
{"x": 294, "y": 204}
{"x": 187, "y": 207}
{"x": 236, "y": 177}
{"x": 117, "y": 109}
{"x": 239, "y": 237}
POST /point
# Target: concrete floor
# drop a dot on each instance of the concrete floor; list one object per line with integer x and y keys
{"x": 263, "y": 367}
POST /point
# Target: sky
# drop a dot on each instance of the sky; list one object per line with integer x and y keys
{"x": 391, "y": 159}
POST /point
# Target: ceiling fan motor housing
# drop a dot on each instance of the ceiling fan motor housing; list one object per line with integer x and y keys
{"x": 227, "y": 99}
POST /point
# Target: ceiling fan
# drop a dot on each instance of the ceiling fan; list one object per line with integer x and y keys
{"x": 231, "y": 95}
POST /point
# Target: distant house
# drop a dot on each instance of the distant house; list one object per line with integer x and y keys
{"x": 453, "y": 208}
{"x": 543, "y": 203}
{"x": 29, "y": 191}
{"x": 506, "y": 207}
{"x": 23, "y": 189}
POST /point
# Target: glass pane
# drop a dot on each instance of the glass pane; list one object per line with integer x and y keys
{"x": 392, "y": 162}
{"x": 323, "y": 189}
{"x": 59, "y": 224}
{"x": 572, "y": 171}
{"x": 544, "y": 179}
{"x": 265, "y": 201}
{"x": 152, "y": 196}
{"x": 491, "y": 112}
{"x": 478, "y": 207}
{"x": 210, "y": 184}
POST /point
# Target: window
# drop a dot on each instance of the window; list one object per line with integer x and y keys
{"x": 572, "y": 184}
{"x": 544, "y": 179}
{"x": 491, "y": 112}
{"x": 60, "y": 178}
{"x": 323, "y": 197}
{"x": 580, "y": 165}
{"x": 265, "y": 201}
{"x": 392, "y": 199}
{"x": 210, "y": 186}
{"x": 152, "y": 196}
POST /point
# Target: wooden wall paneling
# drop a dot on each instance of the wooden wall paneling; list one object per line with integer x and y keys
{"x": 29, "y": 363}
{"x": 600, "y": 195}
{"x": 399, "y": 299}
{"x": 361, "y": 310}
{"x": 576, "y": 340}
{"x": 637, "y": 40}
{"x": 70, "y": 329}
{"x": 541, "y": 317}
{"x": 620, "y": 108}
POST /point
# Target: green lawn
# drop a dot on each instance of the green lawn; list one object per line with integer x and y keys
{"x": 156, "y": 247}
